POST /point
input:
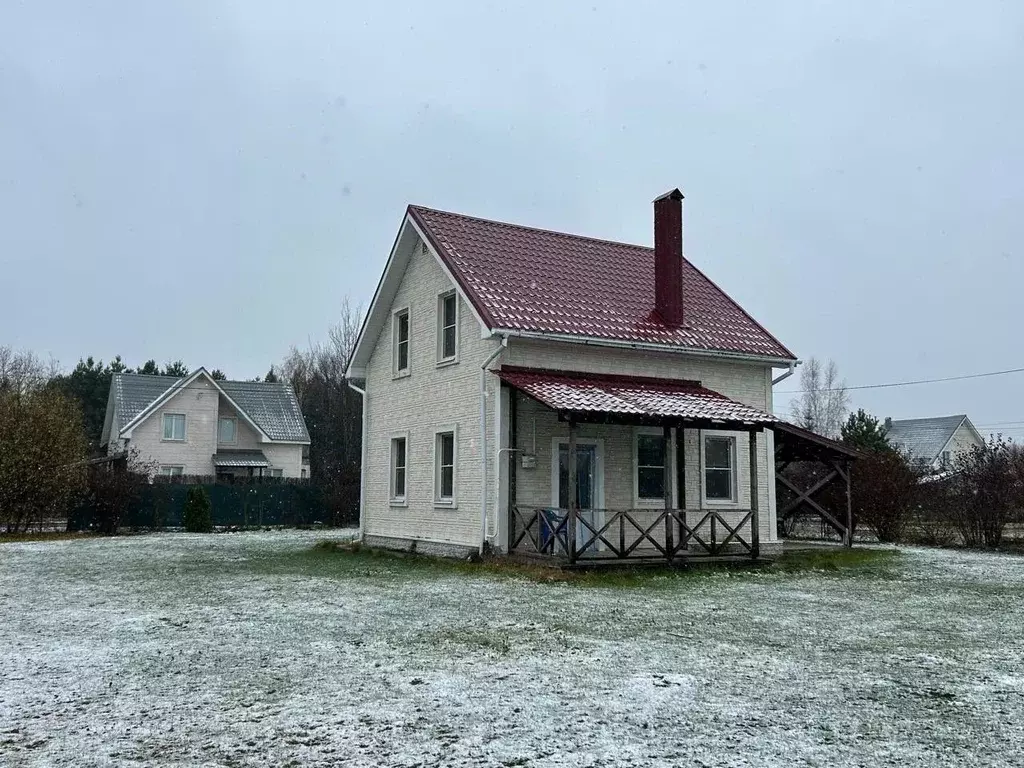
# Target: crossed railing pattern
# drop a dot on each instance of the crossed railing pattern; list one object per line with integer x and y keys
{"x": 545, "y": 531}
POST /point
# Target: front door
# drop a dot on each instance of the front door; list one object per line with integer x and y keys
{"x": 588, "y": 487}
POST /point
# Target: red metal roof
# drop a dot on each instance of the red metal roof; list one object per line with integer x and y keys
{"x": 587, "y": 393}
{"x": 525, "y": 279}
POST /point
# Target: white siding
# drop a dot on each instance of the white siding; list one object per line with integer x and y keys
{"x": 746, "y": 383}
{"x": 203, "y": 406}
{"x": 418, "y": 404}
{"x": 198, "y": 401}
{"x": 961, "y": 442}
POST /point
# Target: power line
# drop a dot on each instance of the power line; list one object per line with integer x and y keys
{"x": 904, "y": 383}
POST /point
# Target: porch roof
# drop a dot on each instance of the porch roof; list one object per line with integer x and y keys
{"x": 240, "y": 458}
{"x": 631, "y": 399}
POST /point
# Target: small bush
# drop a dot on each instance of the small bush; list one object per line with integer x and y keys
{"x": 884, "y": 491}
{"x": 198, "y": 517}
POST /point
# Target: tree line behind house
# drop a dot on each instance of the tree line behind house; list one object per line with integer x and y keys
{"x": 51, "y": 423}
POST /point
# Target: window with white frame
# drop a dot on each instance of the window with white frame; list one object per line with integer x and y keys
{"x": 401, "y": 342}
{"x": 399, "y": 459}
{"x": 651, "y": 455}
{"x": 169, "y": 471}
{"x": 447, "y": 327}
{"x": 174, "y": 426}
{"x": 444, "y": 467}
{"x": 719, "y": 468}
{"x": 227, "y": 430}
{"x": 275, "y": 472}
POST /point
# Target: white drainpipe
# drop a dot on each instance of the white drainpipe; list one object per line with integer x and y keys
{"x": 483, "y": 441}
{"x": 362, "y": 461}
{"x": 787, "y": 374}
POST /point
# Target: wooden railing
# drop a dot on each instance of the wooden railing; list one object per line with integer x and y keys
{"x": 668, "y": 534}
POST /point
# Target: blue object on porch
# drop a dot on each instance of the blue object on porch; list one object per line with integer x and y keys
{"x": 550, "y": 519}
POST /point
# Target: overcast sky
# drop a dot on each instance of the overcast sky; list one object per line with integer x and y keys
{"x": 208, "y": 180}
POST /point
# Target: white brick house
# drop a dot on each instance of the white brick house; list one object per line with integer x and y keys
{"x": 560, "y": 396}
{"x": 199, "y": 426}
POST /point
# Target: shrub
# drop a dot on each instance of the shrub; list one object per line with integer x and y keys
{"x": 198, "y": 512}
{"x": 987, "y": 492}
{"x": 114, "y": 487}
{"x": 884, "y": 493}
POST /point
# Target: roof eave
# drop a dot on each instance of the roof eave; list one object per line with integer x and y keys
{"x": 774, "y": 361}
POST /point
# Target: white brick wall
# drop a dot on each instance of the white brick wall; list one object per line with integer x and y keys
{"x": 746, "y": 383}
{"x": 430, "y": 397}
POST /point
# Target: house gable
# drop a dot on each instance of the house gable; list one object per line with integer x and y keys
{"x": 411, "y": 242}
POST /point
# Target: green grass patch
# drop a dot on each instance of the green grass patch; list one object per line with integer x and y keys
{"x": 352, "y": 560}
{"x": 14, "y": 538}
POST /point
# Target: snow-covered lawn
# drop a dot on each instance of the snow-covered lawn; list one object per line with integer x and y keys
{"x": 253, "y": 650}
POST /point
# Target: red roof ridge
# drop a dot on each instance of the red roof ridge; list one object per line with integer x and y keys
{"x": 541, "y": 230}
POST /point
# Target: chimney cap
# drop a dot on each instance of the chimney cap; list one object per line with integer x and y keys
{"x": 672, "y": 194}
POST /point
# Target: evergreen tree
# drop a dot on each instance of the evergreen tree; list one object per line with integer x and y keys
{"x": 218, "y": 375}
{"x": 150, "y": 368}
{"x": 177, "y": 369}
{"x": 198, "y": 512}
{"x": 864, "y": 431}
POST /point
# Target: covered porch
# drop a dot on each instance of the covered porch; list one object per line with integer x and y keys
{"x": 607, "y": 468}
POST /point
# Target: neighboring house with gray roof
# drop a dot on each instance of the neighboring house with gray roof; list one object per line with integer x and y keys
{"x": 199, "y": 426}
{"x": 934, "y": 442}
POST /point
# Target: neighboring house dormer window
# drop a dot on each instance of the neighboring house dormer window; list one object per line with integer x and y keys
{"x": 174, "y": 426}
{"x": 401, "y": 342}
{"x": 227, "y": 430}
{"x": 447, "y": 327}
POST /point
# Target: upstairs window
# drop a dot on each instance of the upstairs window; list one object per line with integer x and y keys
{"x": 174, "y": 426}
{"x": 227, "y": 430}
{"x": 401, "y": 342}
{"x": 447, "y": 327}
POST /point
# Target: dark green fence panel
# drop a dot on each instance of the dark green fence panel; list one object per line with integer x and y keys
{"x": 243, "y": 505}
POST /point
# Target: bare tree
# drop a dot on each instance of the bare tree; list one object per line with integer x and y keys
{"x": 333, "y": 411}
{"x": 23, "y": 371}
{"x": 824, "y": 401}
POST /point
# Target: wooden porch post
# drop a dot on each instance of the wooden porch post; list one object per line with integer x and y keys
{"x": 755, "y": 523}
{"x": 570, "y": 527}
{"x": 849, "y": 503}
{"x": 684, "y": 542}
{"x": 513, "y": 457}
{"x": 667, "y": 476}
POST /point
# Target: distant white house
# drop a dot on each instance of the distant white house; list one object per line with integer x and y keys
{"x": 933, "y": 442}
{"x": 548, "y": 394}
{"x": 199, "y": 426}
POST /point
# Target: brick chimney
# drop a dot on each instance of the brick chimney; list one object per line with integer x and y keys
{"x": 668, "y": 257}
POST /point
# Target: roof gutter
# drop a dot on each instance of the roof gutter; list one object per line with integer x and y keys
{"x": 646, "y": 347}
{"x": 483, "y": 441}
{"x": 792, "y": 369}
{"x": 362, "y": 459}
